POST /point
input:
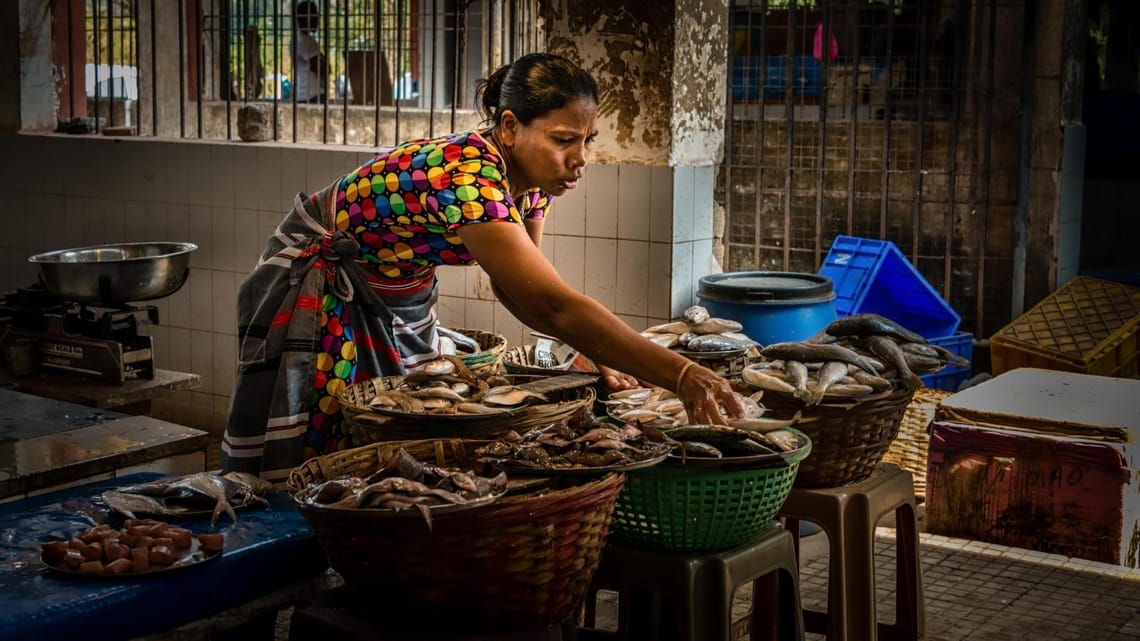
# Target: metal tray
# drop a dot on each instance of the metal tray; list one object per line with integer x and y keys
{"x": 191, "y": 556}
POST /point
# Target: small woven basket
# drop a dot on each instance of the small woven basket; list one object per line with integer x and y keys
{"x": 909, "y": 449}
{"x": 520, "y": 360}
{"x": 523, "y": 561}
{"x": 492, "y": 346}
{"x": 674, "y": 507}
{"x": 366, "y": 426}
{"x": 848, "y": 439}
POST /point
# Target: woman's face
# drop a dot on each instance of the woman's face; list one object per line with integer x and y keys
{"x": 552, "y": 150}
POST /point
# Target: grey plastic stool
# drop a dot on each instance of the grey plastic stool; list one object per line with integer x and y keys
{"x": 848, "y": 515}
{"x": 699, "y": 588}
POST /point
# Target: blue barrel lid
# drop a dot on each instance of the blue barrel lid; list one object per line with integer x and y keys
{"x": 765, "y": 286}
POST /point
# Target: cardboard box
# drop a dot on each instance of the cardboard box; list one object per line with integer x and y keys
{"x": 1041, "y": 460}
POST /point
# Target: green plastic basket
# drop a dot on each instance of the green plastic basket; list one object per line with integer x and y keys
{"x": 673, "y": 507}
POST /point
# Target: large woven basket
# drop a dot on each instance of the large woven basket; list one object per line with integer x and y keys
{"x": 366, "y": 426}
{"x": 909, "y": 449}
{"x": 848, "y": 439}
{"x": 523, "y": 561}
{"x": 679, "y": 507}
{"x": 492, "y": 346}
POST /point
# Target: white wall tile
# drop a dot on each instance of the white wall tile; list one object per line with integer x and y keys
{"x": 95, "y": 222}
{"x": 178, "y": 306}
{"x": 637, "y": 323}
{"x": 633, "y": 197}
{"x": 202, "y": 358}
{"x": 452, "y": 282}
{"x": 480, "y": 314}
{"x": 270, "y": 193}
{"x": 161, "y": 337}
{"x": 114, "y": 221}
{"x": 602, "y": 201}
{"x": 195, "y": 168}
{"x": 155, "y": 221}
{"x": 294, "y": 177}
{"x": 510, "y": 327}
{"x": 151, "y": 172}
{"x": 600, "y": 271}
{"x": 224, "y": 303}
{"x": 222, "y": 242}
{"x": 632, "y": 274}
{"x": 177, "y": 349}
{"x": 704, "y": 263}
{"x": 70, "y": 233}
{"x": 134, "y": 221}
{"x": 683, "y": 200}
{"x": 659, "y": 283}
{"x": 570, "y": 260}
{"x": 451, "y": 311}
{"x": 177, "y": 222}
{"x": 222, "y": 176}
{"x": 202, "y": 411}
{"x": 50, "y": 208}
{"x": 201, "y": 283}
{"x": 568, "y": 213}
{"x": 225, "y": 363}
{"x": 247, "y": 240}
{"x": 704, "y": 179}
{"x": 18, "y": 235}
{"x": 268, "y": 221}
{"x": 680, "y": 291}
{"x": 246, "y": 175}
{"x": 201, "y": 224}
{"x": 661, "y": 204}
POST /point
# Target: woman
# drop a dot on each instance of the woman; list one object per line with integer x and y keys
{"x": 346, "y": 286}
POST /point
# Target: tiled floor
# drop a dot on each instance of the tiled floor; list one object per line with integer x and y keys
{"x": 979, "y": 591}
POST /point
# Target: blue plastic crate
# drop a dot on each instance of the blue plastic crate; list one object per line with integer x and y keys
{"x": 951, "y": 376}
{"x": 873, "y": 276}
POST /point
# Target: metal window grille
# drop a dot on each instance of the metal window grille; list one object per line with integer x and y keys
{"x": 396, "y": 69}
{"x": 875, "y": 119}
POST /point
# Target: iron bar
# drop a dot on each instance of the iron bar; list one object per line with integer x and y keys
{"x": 347, "y": 82}
{"x": 821, "y": 144}
{"x": 397, "y": 81}
{"x": 98, "y": 56}
{"x": 919, "y": 171}
{"x": 110, "y": 64}
{"x": 853, "y": 121}
{"x": 435, "y": 24}
{"x": 789, "y": 129}
{"x": 956, "y": 83}
{"x": 885, "y": 170}
{"x": 987, "y": 150}
{"x": 199, "y": 62}
{"x": 379, "y": 53}
{"x": 1025, "y": 151}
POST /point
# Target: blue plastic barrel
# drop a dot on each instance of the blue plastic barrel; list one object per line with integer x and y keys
{"x": 773, "y": 306}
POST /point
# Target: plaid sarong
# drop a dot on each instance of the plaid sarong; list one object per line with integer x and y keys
{"x": 279, "y": 333}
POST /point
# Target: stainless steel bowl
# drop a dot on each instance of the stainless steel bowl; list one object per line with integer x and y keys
{"x": 115, "y": 274}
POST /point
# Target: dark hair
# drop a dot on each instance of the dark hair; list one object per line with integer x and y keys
{"x": 533, "y": 86}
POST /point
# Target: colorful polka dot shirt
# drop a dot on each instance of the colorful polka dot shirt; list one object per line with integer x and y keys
{"x": 405, "y": 205}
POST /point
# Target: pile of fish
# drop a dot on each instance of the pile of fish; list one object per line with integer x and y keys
{"x": 404, "y": 482}
{"x": 721, "y": 441}
{"x": 190, "y": 494}
{"x": 853, "y": 357}
{"x": 659, "y": 408}
{"x": 696, "y": 331}
{"x": 445, "y": 386}
{"x": 577, "y": 442}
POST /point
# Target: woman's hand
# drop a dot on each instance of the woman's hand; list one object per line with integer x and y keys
{"x": 617, "y": 381}
{"x": 704, "y": 393}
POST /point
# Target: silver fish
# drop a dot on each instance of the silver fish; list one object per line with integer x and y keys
{"x": 871, "y": 325}
{"x": 129, "y": 505}
{"x": 831, "y": 373}
{"x": 809, "y": 352}
{"x": 889, "y": 351}
{"x": 696, "y": 314}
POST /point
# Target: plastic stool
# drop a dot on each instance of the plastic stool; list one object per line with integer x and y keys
{"x": 700, "y": 588}
{"x": 848, "y": 514}
{"x": 342, "y": 615}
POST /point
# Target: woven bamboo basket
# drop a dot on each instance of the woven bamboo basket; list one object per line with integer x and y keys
{"x": 909, "y": 448}
{"x": 366, "y": 426}
{"x": 492, "y": 346}
{"x": 848, "y": 439}
{"x": 523, "y": 561}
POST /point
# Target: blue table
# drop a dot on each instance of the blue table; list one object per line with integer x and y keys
{"x": 264, "y": 551}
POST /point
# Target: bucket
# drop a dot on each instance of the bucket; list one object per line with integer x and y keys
{"x": 773, "y": 306}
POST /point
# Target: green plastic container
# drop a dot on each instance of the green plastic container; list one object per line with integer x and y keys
{"x": 674, "y": 507}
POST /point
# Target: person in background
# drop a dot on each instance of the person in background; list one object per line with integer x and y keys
{"x": 346, "y": 287}
{"x": 309, "y": 65}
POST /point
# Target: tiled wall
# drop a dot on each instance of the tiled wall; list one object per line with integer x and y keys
{"x": 636, "y": 238}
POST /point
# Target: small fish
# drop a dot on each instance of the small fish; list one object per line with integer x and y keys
{"x": 715, "y": 326}
{"x": 831, "y": 373}
{"x": 662, "y": 340}
{"x": 509, "y": 396}
{"x": 784, "y": 440}
{"x": 810, "y": 352}
{"x": 763, "y": 425}
{"x": 842, "y": 390}
{"x": 717, "y": 343}
{"x": 798, "y": 376}
{"x": 476, "y": 408}
{"x": 889, "y": 351}
{"x": 871, "y": 325}
{"x": 129, "y": 504}
{"x": 765, "y": 381}
{"x": 876, "y": 383}
{"x": 674, "y": 327}
{"x": 701, "y": 450}
{"x": 696, "y": 314}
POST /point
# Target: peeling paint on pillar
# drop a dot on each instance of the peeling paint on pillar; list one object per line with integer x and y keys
{"x": 38, "y": 99}
{"x": 660, "y": 69}
{"x": 699, "y": 90}
{"x": 629, "y": 50}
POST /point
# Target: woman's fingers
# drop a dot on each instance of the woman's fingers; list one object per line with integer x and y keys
{"x": 616, "y": 380}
